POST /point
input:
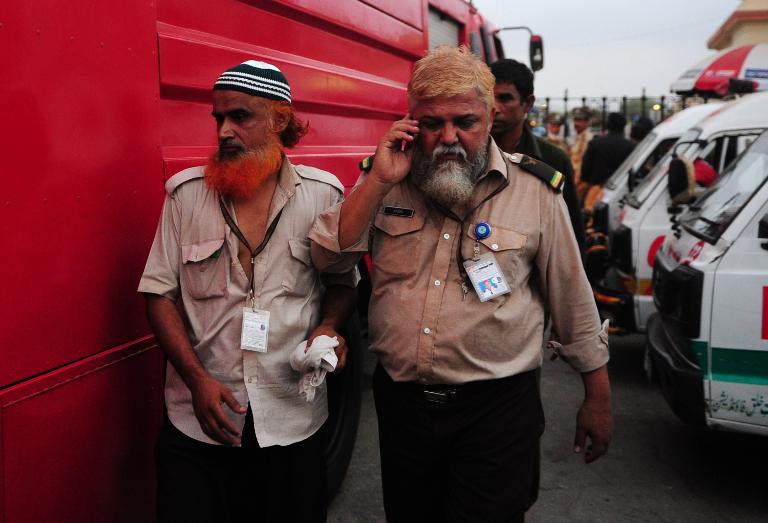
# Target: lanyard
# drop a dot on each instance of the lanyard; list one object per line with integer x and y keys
{"x": 450, "y": 214}
{"x": 253, "y": 252}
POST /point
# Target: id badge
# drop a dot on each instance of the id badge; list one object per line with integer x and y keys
{"x": 255, "y": 330}
{"x": 486, "y": 277}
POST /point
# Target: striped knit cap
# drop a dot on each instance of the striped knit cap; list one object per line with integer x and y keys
{"x": 257, "y": 79}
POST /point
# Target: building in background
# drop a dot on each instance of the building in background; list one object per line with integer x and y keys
{"x": 747, "y": 25}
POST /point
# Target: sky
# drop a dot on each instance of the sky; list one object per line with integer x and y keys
{"x": 598, "y": 48}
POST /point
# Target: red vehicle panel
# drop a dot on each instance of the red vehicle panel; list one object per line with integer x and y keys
{"x": 102, "y": 102}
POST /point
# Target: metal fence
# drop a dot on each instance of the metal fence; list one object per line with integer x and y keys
{"x": 657, "y": 108}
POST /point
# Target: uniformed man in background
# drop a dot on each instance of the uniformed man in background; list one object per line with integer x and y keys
{"x": 581, "y": 124}
{"x": 514, "y": 97}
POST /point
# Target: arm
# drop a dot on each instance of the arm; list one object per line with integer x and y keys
{"x": 582, "y": 341}
{"x": 594, "y": 419}
{"x": 390, "y": 166}
{"x": 572, "y": 201}
{"x": 207, "y": 393}
{"x": 338, "y": 303}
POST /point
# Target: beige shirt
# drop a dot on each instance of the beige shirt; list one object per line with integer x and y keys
{"x": 577, "y": 152}
{"x": 194, "y": 262}
{"x": 421, "y": 324}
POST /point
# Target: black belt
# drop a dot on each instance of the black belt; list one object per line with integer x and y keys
{"x": 446, "y": 394}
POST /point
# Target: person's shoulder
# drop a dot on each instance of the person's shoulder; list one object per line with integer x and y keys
{"x": 312, "y": 173}
{"x": 182, "y": 177}
{"x": 551, "y": 177}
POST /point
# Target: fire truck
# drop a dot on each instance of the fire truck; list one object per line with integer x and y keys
{"x": 102, "y": 102}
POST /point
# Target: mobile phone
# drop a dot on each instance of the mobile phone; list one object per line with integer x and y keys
{"x": 405, "y": 144}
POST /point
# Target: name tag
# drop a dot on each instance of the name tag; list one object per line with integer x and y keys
{"x": 486, "y": 277}
{"x": 255, "y": 333}
{"x": 399, "y": 211}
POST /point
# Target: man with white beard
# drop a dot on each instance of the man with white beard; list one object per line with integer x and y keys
{"x": 470, "y": 246}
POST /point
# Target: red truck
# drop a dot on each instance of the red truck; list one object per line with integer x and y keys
{"x": 103, "y": 101}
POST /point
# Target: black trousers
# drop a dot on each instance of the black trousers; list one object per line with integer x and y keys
{"x": 203, "y": 483}
{"x": 470, "y": 456}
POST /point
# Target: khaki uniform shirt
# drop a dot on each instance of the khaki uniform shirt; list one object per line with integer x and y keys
{"x": 577, "y": 152}
{"x": 421, "y": 324}
{"x": 194, "y": 262}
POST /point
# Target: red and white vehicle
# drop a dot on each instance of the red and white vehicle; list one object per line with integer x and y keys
{"x": 103, "y": 101}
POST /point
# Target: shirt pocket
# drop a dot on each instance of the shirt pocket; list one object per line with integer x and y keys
{"x": 396, "y": 250}
{"x": 204, "y": 269}
{"x": 299, "y": 273}
{"x": 507, "y": 246}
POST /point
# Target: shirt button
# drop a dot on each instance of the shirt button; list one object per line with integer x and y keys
{"x": 437, "y": 283}
{"x": 495, "y": 246}
{"x": 426, "y": 330}
{"x": 250, "y": 379}
{"x": 446, "y": 236}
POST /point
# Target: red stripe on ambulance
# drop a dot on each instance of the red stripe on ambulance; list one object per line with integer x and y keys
{"x": 765, "y": 313}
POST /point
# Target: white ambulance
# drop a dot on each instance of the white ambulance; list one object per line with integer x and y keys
{"x": 624, "y": 294}
{"x": 708, "y": 345}
{"x": 645, "y": 156}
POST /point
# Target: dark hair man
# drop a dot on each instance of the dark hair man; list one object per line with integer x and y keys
{"x": 231, "y": 291}
{"x": 514, "y": 98}
{"x": 640, "y": 129}
{"x": 470, "y": 247}
{"x": 605, "y": 153}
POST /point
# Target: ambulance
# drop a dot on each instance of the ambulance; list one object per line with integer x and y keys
{"x": 707, "y": 347}
{"x": 644, "y": 157}
{"x": 625, "y": 293}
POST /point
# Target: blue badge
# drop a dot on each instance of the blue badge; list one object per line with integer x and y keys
{"x": 482, "y": 230}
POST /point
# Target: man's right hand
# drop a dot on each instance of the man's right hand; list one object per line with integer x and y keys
{"x": 391, "y": 163}
{"x": 208, "y": 398}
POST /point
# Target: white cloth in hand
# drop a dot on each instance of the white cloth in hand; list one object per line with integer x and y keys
{"x": 314, "y": 363}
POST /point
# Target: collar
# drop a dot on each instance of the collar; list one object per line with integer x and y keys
{"x": 496, "y": 161}
{"x": 528, "y": 144}
{"x": 287, "y": 181}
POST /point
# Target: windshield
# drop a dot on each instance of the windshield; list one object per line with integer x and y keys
{"x": 639, "y": 150}
{"x": 717, "y": 208}
{"x": 645, "y": 187}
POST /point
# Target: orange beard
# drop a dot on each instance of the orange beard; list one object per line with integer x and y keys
{"x": 240, "y": 177}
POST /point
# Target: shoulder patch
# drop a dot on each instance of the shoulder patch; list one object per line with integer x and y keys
{"x": 549, "y": 175}
{"x": 182, "y": 177}
{"x": 311, "y": 173}
{"x": 366, "y": 163}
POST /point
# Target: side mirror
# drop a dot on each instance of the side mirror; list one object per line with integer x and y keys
{"x": 677, "y": 180}
{"x": 762, "y": 231}
{"x": 536, "y": 52}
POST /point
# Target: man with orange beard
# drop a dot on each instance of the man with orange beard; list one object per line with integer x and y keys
{"x": 231, "y": 291}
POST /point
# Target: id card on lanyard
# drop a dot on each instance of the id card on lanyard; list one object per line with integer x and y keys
{"x": 254, "y": 335}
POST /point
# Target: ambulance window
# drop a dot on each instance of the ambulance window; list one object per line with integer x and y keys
{"x": 644, "y": 189}
{"x": 636, "y": 153}
{"x": 713, "y": 152}
{"x": 711, "y": 215}
{"x": 653, "y": 158}
{"x": 443, "y": 30}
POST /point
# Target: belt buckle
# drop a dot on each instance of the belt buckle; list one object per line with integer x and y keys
{"x": 439, "y": 396}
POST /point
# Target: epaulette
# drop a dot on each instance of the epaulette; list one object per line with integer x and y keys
{"x": 366, "y": 163}
{"x": 319, "y": 175}
{"x": 547, "y": 174}
{"x": 182, "y": 177}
